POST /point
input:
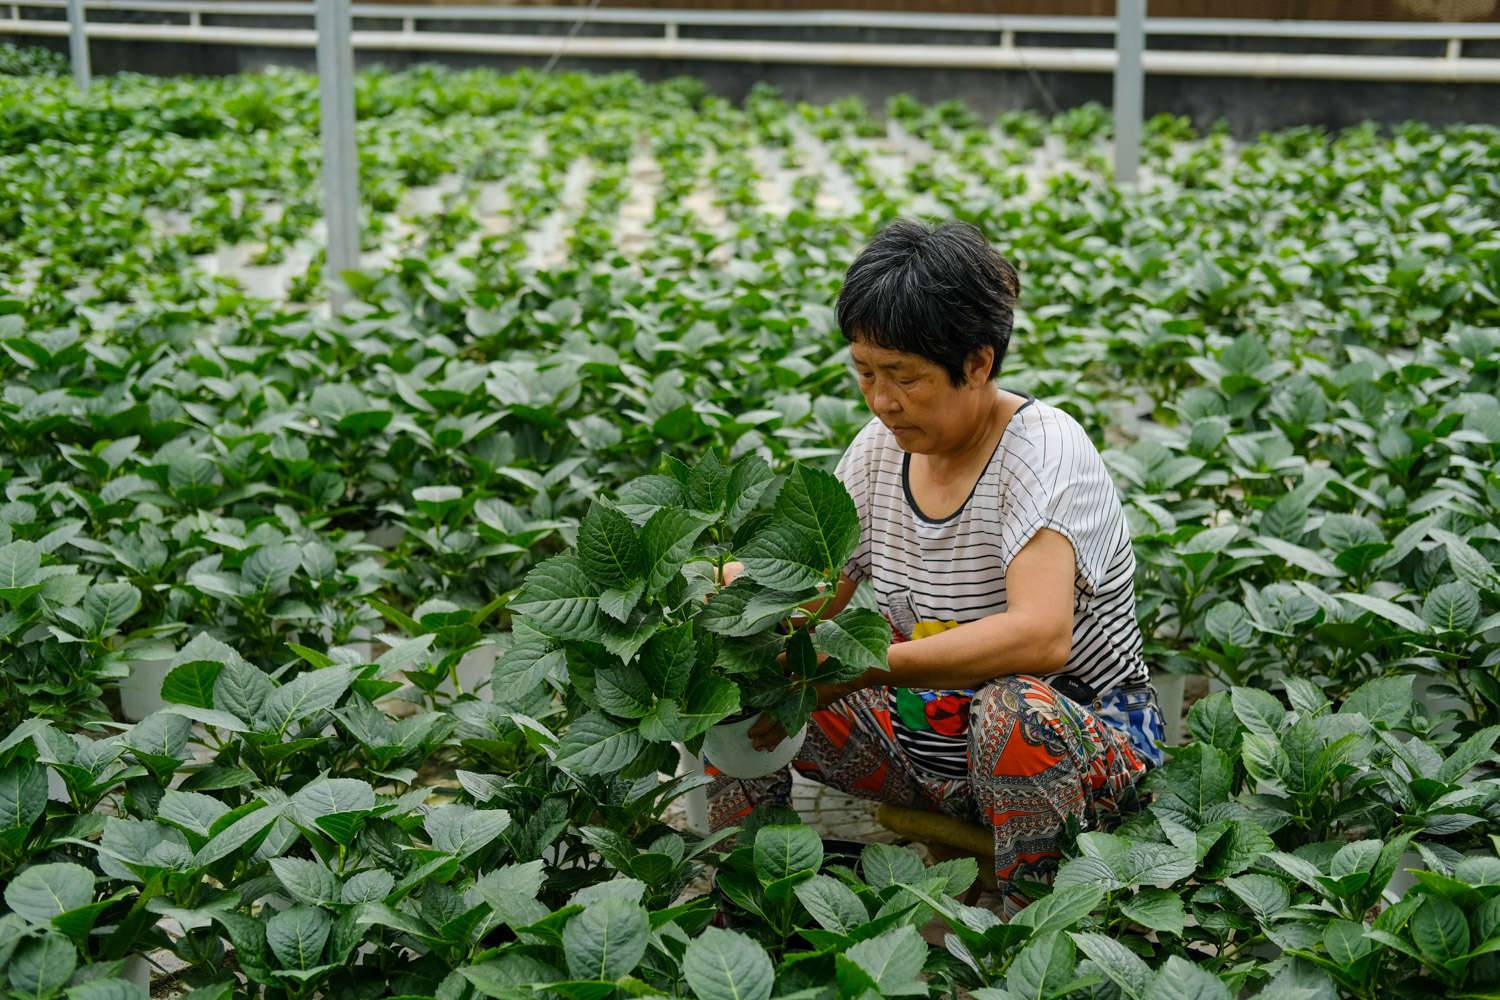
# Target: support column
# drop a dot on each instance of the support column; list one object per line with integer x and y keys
{"x": 78, "y": 44}
{"x": 1130, "y": 87}
{"x": 340, "y": 155}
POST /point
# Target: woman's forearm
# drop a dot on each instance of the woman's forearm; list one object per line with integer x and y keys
{"x": 969, "y": 655}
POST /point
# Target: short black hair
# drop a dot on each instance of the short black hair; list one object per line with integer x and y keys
{"x": 941, "y": 293}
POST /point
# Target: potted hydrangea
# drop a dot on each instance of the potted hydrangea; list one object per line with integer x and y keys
{"x": 651, "y": 651}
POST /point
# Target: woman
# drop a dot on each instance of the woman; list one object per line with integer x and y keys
{"x": 998, "y": 550}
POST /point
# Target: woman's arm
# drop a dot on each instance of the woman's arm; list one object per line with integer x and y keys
{"x": 1034, "y": 635}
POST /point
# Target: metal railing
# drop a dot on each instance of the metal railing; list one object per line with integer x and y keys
{"x": 669, "y": 42}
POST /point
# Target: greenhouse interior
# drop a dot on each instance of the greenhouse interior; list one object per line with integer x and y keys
{"x": 775, "y": 500}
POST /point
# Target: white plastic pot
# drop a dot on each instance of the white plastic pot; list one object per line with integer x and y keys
{"x": 137, "y": 972}
{"x": 387, "y": 536}
{"x": 140, "y": 692}
{"x": 727, "y": 747}
{"x": 695, "y": 801}
{"x": 474, "y": 669}
{"x": 1169, "y": 689}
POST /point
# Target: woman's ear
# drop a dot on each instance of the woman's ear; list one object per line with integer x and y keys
{"x": 977, "y": 367}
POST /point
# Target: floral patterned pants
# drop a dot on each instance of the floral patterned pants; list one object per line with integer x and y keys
{"x": 1036, "y": 758}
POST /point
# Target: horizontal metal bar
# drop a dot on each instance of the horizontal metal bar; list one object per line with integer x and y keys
{"x": 1163, "y": 63}
{"x": 1219, "y": 27}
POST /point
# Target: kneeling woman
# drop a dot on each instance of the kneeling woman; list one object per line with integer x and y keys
{"x": 997, "y": 548}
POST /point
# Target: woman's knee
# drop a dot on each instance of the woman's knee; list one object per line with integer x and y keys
{"x": 1006, "y": 699}
{"x": 1010, "y": 730}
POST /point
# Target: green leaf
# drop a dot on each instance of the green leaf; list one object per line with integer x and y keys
{"x": 668, "y": 658}
{"x": 1451, "y": 607}
{"x": 307, "y": 881}
{"x": 1440, "y": 930}
{"x": 607, "y": 940}
{"x": 269, "y": 569}
{"x": 192, "y": 812}
{"x": 708, "y": 701}
{"x": 462, "y": 830}
{"x": 192, "y": 683}
{"x": 525, "y": 666}
{"x": 832, "y": 904}
{"x": 1469, "y": 754}
{"x": 511, "y": 893}
{"x": 1468, "y": 563}
{"x": 726, "y": 965}
{"x": 747, "y": 483}
{"x": 1346, "y": 942}
{"x": 1265, "y": 896}
{"x": 1062, "y": 908}
{"x": 23, "y": 794}
{"x": 783, "y": 851}
{"x": 1384, "y": 701}
{"x": 297, "y": 935}
{"x": 241, "y": 688}
{"x": 857, "y": 638}
{"x": 19, "y": 562}
{"x": 1229, "y": 625}
{"x": 42, "y": 892}
{"x": 885, "y": 865}
{"x": 608, "y": 549}
{"x": 1389, "y": 610}
{"x": 368, "y": 887}
{"x": 1213, "y": 720}
{"x": 622, "y": 691}
{"x": 108, "y": 606}
{"x": 119, "y": 989}
{"x": 1042, "y": 968}
{"x": 707, "y": 484}
{"x": 643, "y": 496}
{"x": 668, "y": 539}
{"x": 558, "y": 599}
{"x": 1179, "y": 979}
{"x": 1121, "y": 965}
{"x": 242, "y": 831}
{"x": 41, "y": 966}
{"x": 1302, "y": 558}
{"x": 330, "y": 796}
{"x": 1197, "y": 777}
{"x": 597, "y": 744}
{"x": 510, "y": 976}
{"x": 1258, "y": 710}
{"x": 1156, "y": 909}
{"x": 743, "y": 608}
{"x": 893, "y": 961}
{"x": 303, "y": 696}
{"x": 814, "y": 531}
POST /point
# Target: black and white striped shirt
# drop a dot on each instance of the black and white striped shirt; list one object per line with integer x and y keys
{"x": 929, "y": 575}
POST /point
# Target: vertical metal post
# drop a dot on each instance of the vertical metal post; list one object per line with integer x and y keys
{"x": 340, "y": 156}
{"x": 1130, "y": 42}
{"x": 78, "y": 44}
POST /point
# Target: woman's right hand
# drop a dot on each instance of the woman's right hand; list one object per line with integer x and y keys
{"x": 731, "y": 571}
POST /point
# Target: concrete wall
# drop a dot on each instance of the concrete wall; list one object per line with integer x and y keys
{"x": 1249, "y": 105}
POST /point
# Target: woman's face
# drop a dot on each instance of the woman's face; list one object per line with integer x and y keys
{"x": 917, "y": 401}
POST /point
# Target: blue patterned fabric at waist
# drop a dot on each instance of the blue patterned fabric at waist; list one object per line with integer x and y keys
{"x": 1132, "y": 709}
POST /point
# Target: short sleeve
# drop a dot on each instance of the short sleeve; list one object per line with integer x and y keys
{"x": 854, "y": 472}
{"x": 1057, "y": 479}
